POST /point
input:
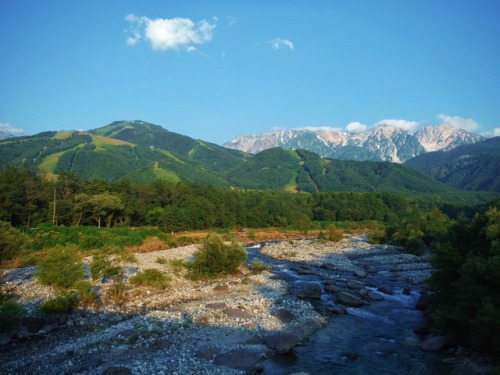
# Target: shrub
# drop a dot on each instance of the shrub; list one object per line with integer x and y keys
{"x": 86, "y": 293}
{"x": 12, "y": 241}
{"x": 150, "y": 277}
{"x": 62, "y": 304}
{"x": 214, "y": 258}
{"x": 177, "y": 265}
{"x": 161, "y": 260}
{"x": 10, "y": 313}
{"x": 118, "y": 291}
{"x": 101, "y": 267}
{"x": 258, "y": 266}
{"x": 61, "y": 267}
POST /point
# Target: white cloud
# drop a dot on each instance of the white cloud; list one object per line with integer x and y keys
{"x": 356, "y": 127}
{"x": 404, "y": 124}
{"x": 459, "y": 122}
{"x": 169, "y": 33}
{"x": 319, "y": 129}
{"x": 231, "y": 20}
{"x": 9, "y": 129}
{"x": 496, "y": 132}
{"x": 191, "y": 49}
{"x": 278, "y": 43}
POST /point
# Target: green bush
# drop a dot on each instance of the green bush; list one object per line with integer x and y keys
{"x": 150, "y": 277}
{"x": 12, "y": 241}
{"x": 161, "y": 260}
{"x": 177, "y": 265}
{"x": 62, "y": 304}
{"x": 214, "y": 258}
{"x": 258, "y": 266}
{"x": 61, "y": 267}
{"x": 10, "y": 313}
{"x": 101, "y": 267}
{"x": 87, "y": 296}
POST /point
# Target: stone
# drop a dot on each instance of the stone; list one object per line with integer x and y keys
{"x": 309, "y": 291}
{"x": 120, "y": 349}
{"x": 216, "y": 305}
{"x": 354, "y": 285}
{"x": 237, "y": 313}
{"x": 433, "y": 343}
{"x": 423, "y": 327}
{"x": 241, "y": 359}
{"x": 93, "y": 360}
{"x": 423, "y": 302}
{"x": 412, "y": 342}
{"x": 385, "y": 290}
{"x": 406, "y": 291}
{"x": 375, "y": 296}
{"x": 372, "y": 269}
{"x": 339, "y": 310}
{"x": 221, "y": 289}
{"x": 162, "y": 343}
{"x": 349, "y": 300}
{"x": 282, "y": 342}
{"x": 117, "y": 370}
{"x": 127, "y": 332}
{"x": 207, "y": 352}
{"x": 327, "y": 266}
{"x": 333, "y": 288}
{"x": 360, "y": 273}
{"x": 283, "y": 315}
{"x": 34, "y": 324}
{"x": 4, "y": 339}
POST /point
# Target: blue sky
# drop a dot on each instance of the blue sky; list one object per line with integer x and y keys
{"x": 216, "y": 69}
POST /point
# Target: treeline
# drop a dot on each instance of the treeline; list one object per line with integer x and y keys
{"x": 28, "y": 199}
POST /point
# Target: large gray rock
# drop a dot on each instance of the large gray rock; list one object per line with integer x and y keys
{"x": 282, "y": 342}
{"x": 433, "y": 343}
{"x": 310, "y": 291}
{"x": 283, "y": 315}
{"x": 349, "y": 300}
{"x": 241, "y": 359}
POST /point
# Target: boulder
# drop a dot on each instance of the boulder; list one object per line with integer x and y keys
{"x": 433, "y": 343}
{"x": 375, "y": 296}
{"x": 349, "y": 300}
{"x": 333, "y": 288}
{"x": 354, "y": 285}
{"x": 339, "y": 310}
{"x": 360, "y": 273}
{"x": 283, "y": 315}
{"x": 241, "y": 359}
{"x": 310, "y": 291}
{"x": 282, "y": 342}
{"x": 221, "y": 289}
{"x": 237, "y": 313}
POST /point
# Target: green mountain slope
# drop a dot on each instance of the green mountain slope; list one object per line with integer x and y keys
{"x": 473, "y": 167}
{"x": 139, "y": 151}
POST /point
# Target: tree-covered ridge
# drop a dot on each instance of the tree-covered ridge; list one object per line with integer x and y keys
{"x": 470, "y": 167}
{"x": 143, "y": 152}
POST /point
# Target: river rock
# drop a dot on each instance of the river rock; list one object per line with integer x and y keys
{"x": 327, "y": 266}
{"x": 120, "y": 349}
{"x": 283, "y": 315}
{"x": 385, "y": 290}
{"x": 241, "y": 359}
{"x": 221, "y": 289}
{"x": 354, "y": 285}
{"x": 282, "y": 342}
{"x": 375, "y": 296}
{"x": 333, "y": 288}
{"x": 339, "y": 310}
{"x": 423, "y": 302}
{"x": 360, "y": 273}
{"x": 237, "y": 313}
{"x": 208, "y": 352}
{"x": 216, "y": 305}
{"x": 433, "y": 343}
{"x": 310, "y": 291}
{"x": 117, "y": 370}
{"x": 4, "y": 339}
{"x": 349, "y": 300}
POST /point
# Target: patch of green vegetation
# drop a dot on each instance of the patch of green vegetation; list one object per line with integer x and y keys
{"x": 150, "y": 277}
{"x": 61, "y": 267}
{"x": 62, "y": 304}
{"x": 214, "y": 258}
{"x": 258, "y": 266}
{"x": 11, "y": 313}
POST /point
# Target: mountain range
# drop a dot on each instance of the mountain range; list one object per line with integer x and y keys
{"x": 144, "y": 152}
{"x": 380, "y": 143}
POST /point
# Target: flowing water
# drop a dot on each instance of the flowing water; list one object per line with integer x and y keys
{"x": 376, "y": 338}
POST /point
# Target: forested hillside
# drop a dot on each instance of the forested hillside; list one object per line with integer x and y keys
{"x": 473, "y": 167}
{"x": 141, "y": 152}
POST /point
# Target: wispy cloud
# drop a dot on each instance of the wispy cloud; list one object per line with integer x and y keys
{"x": 404, "y": 124}
{"x": 169, "y": 33}
{"x": 459, "y": 122}
{"x": 278, "y": 43}
{"x": 356, "y": 127}
{"x": 9, "y": 129}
